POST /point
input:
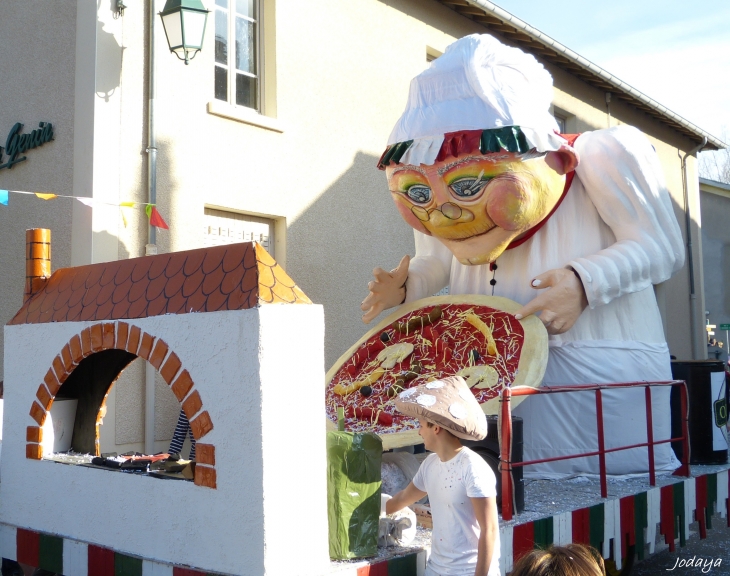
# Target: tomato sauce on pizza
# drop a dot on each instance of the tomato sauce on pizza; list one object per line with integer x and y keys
{"x": 479, "y": 343}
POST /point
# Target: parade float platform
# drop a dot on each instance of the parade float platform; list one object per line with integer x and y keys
{"x": 645, "y": 519}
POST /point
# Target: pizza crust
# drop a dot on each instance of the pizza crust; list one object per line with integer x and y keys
{"x": 530, "y": 370}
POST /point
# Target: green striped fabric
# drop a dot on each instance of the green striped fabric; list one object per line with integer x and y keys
{"x": 127, "y": 565}
{"x": 544, "y": 532}
{"x": 51, "y": 553}
{"x": 403, "y": 566}
{"x": 678, "y": 490}
{"x": 596, "y": 523}
{"x": 711, "y": 498}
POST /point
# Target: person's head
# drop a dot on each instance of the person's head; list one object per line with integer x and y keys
{"x": 570, "y": 560}
{"x": 477, "y": 204}
{"x": 433, "y": 434}
{"x": 445, "y": 409}
{"x": 475, "y": 160}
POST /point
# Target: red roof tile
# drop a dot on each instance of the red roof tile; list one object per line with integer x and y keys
{"x": 232, "y": 277}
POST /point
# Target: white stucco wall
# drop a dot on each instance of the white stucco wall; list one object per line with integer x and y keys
{"x": 259, "y": 373}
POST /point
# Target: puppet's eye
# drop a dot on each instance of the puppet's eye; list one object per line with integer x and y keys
{"x": 419, "y": 193}
{"x": 466, "y": 187}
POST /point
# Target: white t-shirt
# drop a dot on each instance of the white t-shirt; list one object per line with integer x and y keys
{"x": 455, "y": 536}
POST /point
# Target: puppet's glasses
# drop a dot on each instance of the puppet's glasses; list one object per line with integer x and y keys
{"x": 448, "y": 209}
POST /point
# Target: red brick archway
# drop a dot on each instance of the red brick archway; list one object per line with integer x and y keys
{"x": 123, "y": 336}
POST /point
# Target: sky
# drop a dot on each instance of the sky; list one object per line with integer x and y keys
{"x": 674, "y": 51}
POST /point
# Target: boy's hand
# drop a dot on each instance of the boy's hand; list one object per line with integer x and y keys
{"x": 409, "y": 495}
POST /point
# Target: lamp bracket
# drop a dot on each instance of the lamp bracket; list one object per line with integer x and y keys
{"x": 119, "y": 8}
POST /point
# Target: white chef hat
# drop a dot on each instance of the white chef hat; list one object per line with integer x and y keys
{"x": 482, "y": 86}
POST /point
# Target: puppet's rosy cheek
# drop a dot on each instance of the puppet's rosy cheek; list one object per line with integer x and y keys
{"x": 507, "y": 203}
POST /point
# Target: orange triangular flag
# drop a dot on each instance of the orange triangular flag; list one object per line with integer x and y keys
{"x": 44, "y": 196}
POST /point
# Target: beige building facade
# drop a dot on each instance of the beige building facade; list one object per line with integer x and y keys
{"x": 272, "y": 132}
{"x": 715, "y": 202}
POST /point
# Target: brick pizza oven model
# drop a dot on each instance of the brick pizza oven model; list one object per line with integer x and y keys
{"x": 240, "y": 346}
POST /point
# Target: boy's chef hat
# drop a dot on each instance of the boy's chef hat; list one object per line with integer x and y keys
{"x": 477, "y": 84}
{"x": 447, "y": 403}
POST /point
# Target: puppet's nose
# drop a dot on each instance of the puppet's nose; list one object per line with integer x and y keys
{"x": 450, "y": 214}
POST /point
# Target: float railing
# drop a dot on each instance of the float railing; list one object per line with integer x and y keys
{"x": 505, "y": 427}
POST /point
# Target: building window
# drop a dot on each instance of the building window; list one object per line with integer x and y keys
{"x": 237, "y": 52}
{"x": 561, "y": 122}
{"x": 223, "y": 227}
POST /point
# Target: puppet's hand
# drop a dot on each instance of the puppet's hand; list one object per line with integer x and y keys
{"x": 561, "y": 303}
{"x": 387, "y": 290}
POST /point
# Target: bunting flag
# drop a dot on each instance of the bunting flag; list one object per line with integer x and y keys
{"x": 523, "y": 540}
{"x": 153, "y": 214}
{"x": 155, "y": 218}
{"x": 721, "y": 496}
{"x": 505, "y": 557}
{"x": 581, "y": 526}
{"x": 641, "y": 517}
{"x": 544, "y": 533}
{"x": 654, "y": 516}
{"x": 86, "y": 201}
{"x": 679, "y": 512}
{"x": 628, "y": 524}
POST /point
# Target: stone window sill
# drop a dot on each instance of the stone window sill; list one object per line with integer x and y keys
{"x": 225, "y": 110}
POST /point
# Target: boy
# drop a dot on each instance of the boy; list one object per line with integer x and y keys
{"x": 461, "y": 486}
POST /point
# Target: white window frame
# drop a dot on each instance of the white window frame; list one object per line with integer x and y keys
{"x": 222, "y": 227}
{"x": 230, "y": 68}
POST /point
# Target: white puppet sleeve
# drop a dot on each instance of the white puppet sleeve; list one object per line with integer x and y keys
{"x": 429, "y": 270}
{"x": 622, "y": 176}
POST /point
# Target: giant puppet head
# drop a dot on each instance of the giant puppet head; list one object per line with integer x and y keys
{"x": 475, "y": 160}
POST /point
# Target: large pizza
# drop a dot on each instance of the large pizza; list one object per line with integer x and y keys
{"x": 476, "y": 337}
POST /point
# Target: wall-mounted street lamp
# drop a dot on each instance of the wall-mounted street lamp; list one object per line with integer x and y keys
{"x": 184, "y": 22}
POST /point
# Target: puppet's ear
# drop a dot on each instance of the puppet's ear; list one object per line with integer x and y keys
{"x": 563, "y": 161}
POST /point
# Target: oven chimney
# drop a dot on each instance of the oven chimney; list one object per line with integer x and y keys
{"x": 37, "y": 260}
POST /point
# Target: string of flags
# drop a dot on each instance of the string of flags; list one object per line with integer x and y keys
{"x": 151, "y": 211}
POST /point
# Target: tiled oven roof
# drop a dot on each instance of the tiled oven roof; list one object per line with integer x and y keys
{"x": 231, "y": 277}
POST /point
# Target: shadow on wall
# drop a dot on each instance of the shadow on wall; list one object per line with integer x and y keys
{"x": 108, "y": 50}
{"x": 334, "y": 245}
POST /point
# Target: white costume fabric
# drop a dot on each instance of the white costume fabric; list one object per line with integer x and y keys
{"x": 617, "y": 229}
{"x": 455, "y": 536}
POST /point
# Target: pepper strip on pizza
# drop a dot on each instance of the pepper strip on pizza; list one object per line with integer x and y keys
{"x": 476, "y": 337}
